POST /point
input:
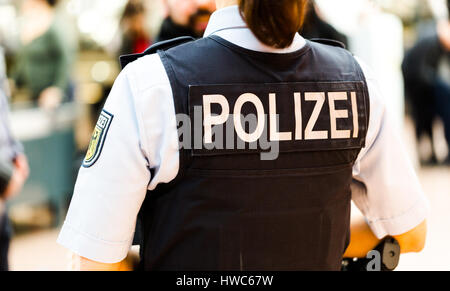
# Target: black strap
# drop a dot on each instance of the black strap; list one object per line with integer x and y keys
{"x": 163, "y": 45}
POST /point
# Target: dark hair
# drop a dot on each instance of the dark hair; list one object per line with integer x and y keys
{"x": 274, "y": 22}
{"x": 52, "y": 2}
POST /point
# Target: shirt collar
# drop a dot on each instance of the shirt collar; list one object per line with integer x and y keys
{"x": 228, "y": 24}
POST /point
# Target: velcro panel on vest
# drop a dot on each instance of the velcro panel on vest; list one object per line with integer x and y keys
{"x": 242, "y": 118}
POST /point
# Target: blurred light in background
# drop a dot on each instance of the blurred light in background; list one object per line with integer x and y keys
{"x": 438, "y": 8}
{"x": 97, "y": 19}
{"x": 100, "y": 71}
{"x": 8, "y": 31}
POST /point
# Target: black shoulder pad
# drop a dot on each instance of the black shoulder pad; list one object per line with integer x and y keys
{"x": 329, "y": 42}
{"x": 162, "y": 45}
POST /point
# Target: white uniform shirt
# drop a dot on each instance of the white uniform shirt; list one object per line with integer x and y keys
{"x": 143, "y": 135}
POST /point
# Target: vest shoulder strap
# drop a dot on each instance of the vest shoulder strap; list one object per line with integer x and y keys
{"x": 163, "y": 45}
{"x": 329, "y": 42}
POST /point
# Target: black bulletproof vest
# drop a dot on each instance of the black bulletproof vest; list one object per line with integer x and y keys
{"x": 230, "y": 210}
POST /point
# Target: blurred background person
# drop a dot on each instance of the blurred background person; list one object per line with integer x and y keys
{"x": 185, "y": 18}
{"x": 443, "y": 101}
{"x": 42, "y": 64}
{"x": 135, "y": 38}
{"x": 13, "y": 170}
{"x": 316, "y": 27}
{"x": 442, "y": 89}
{"x": 427, "y": 85}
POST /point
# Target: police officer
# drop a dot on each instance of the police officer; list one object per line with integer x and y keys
{"x": 250, "y": 88}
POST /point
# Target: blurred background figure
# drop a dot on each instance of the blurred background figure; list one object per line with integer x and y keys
{"x": 185, "y": 18}
{"x": 427, "y": 83}
{"x": 135, "y": 37}
{"x": 443, "y": 79}
{"x": 316, "y": 27}
{"x": 43, "y": 62}
{"x": 13, "y": 169}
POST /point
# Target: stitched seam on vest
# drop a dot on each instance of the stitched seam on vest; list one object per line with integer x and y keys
{"x": 178, "y": 108}
{"x": 249, "y": 152}
{"x": 272, "y": 173}
{"x": 366, "y": 95}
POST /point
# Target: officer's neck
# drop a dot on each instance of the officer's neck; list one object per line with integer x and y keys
{"x": 225, "y": 3}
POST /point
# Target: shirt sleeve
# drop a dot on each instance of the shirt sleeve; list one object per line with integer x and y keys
{"x": 386, "y": 188}
{"x": 108, "y": 194}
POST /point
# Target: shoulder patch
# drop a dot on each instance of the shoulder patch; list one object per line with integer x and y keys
{"x": 98, "y": 139}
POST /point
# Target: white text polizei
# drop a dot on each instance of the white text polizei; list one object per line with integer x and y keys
{"x": 319, "y": 98}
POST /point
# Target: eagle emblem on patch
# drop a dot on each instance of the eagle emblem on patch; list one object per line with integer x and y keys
{"x": 98, "y": 139}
